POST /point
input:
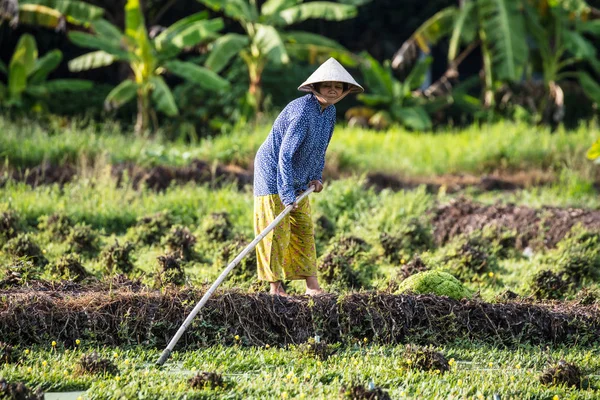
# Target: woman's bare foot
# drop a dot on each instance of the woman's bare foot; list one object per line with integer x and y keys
{"x": 277, "y": 288}
{"x": 312, "y": 286}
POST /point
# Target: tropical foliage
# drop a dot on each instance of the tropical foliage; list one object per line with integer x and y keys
{"x": 390, "y": 100}
{"x": 149, "y": 59}
{"x": 27, "y": 77}
{"x": 266, "y": 40}
{"x": 48, "y": 13}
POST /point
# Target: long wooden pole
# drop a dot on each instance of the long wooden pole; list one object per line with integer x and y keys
{"x": 167, "y": 352}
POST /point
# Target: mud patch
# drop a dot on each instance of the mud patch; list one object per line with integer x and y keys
{"x": 160, "y": 177}
{"x": 536, "y": 228}
{"x": 499, "y": 181}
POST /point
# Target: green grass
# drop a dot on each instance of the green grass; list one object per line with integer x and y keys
{"x": 477, "y": 372}
{"x": 475, "y": 150}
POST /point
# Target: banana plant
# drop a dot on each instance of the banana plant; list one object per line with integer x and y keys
{"x": 392, "y": 100}
{"x": 266, "y": 41}
{"x": 562, "y": 48}
{"x": 48, "y": 13}
{"x": 497, "y": 25}
{"x": 148, "y": 59}
{"x": 27, "y": 76}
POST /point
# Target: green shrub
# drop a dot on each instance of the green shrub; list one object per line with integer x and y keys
{"x": 23, "y": 246}
{"x": 435, "y": 282}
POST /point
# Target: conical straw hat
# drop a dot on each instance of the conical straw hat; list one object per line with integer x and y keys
{"x": 331, "y": 70}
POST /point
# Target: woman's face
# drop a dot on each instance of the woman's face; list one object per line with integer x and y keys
{"x": 331, "y": 90}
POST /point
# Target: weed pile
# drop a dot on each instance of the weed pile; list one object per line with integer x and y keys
{"x": 425, "y": 359}
{"x": 181, "y": 241}
{"x": 245, "y": 271}
{"x": 359, "y": 392}
{"x": 413, "y": 267}
{"x": 19, "y": 273}
{"x": 117, "y": 258}
{"x": 94, "y": 364}
{"x": 68, "y": 312}
{"x": 23, "y": 246}
{"x": 317, "y": 348}
{"x": 469, "y": 257}
{"x": 83, "y": 239}
{"x": 562, "y": 373}
{"x": 204, "y": 380}
{"x": 57, "y": 225}
{"x": 536, "y": 228}
{"x": 550, "y": 285}
{"x": 18, "y": 391}
{"x": 347, "y": 263}
{"x": 410, "y": 238}
{"x": 574, "y": 262}
{"x": 435, "y": 282}
{"x": 7, "y": 354}
{"x": 150, "y": 229}
{"x": 69, "y": 267}
{"x": 217, "y": 227}
{"x": 10, "y": 225}
{"x": 170, "y": 270}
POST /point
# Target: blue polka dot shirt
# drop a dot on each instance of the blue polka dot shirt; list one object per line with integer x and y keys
{"x": 294, "y": 152}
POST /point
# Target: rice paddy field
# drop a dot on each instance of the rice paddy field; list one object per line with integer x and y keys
{"x": 462, "y": 265}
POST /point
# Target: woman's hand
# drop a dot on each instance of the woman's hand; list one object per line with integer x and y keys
{"x": 317, "y": 184}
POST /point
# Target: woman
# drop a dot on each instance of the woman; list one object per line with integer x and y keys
{"x": 291, "y": 160}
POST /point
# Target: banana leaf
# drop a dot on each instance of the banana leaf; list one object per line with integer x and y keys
{"x": 95, "y": 59}
{"x": 75, "y": 11}
{"x": 415, "y": 118}
{"x": 268, "y": 41}
{"x": 44, "y": 66}
{"x": 121, "y": 94}
{"x": 204, "y": 77}
{"x": 504, "y": 26}
{"x": 163, "y": 97}
{"x": 318, "y": 9}
{"x": 239, "y": 10}
{"x": 224, "y": 49}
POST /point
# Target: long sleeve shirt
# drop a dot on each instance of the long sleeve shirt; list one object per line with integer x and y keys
{"x": 294, "y": 152}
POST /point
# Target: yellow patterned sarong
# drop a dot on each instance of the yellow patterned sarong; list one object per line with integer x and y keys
{"x": 288, "y": 251}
